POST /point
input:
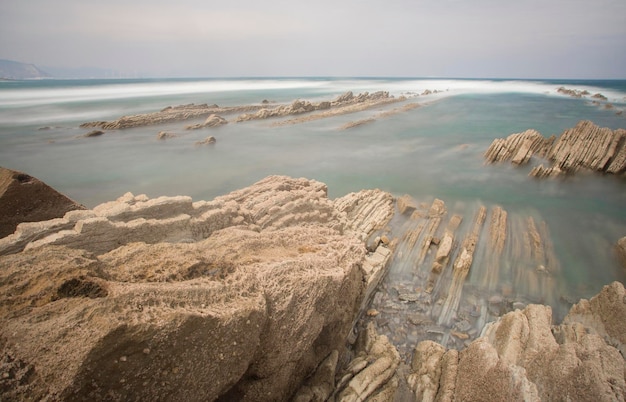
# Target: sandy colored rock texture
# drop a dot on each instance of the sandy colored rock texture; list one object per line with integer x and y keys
{"x": 523, "y": 356}
{"x": 24, "y": 198}
{"x": 239, "y": 298}
{"x": 585, "y": 146}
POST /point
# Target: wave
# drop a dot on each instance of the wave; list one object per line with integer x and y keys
{"x": 68, "y": 94}
{"x": 46, "y": 93}
{"x": 452, "y": 87}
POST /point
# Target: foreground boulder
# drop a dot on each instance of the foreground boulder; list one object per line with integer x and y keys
{"x": 239, "y": 298}
{"x": 24, "y": 198}
{"x": 585, "y": 146}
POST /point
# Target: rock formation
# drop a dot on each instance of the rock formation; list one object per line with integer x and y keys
{"x": 23, "y": 198}
{"x": 238, "y": 298}
{"x": 211, "y": 121}
{"x": 168, "y": 115}
{"x": 522, "y": 356}
{"x": 210, "y": 140}
{"x": 164, "y": 135}
{"x": 585, "y": 146}
{"x": 254, "y": 295}
{"x": 346, "y": 103}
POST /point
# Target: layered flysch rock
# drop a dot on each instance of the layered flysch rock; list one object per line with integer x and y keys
{"x": 585, "y": 146}
{"x": 24, "y": 198}
{"x": 170, "y": 114}
{"x": 346, "y": 103}
{"x": 522, "y": 356}
{"x": 238, "y": 298}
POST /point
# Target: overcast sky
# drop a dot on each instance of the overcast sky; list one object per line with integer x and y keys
{"x": 416, "y": 38}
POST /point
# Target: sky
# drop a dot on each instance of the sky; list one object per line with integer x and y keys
{"x": 253, "y": 38}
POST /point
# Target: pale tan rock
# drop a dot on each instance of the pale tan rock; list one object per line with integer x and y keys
{"x": 605, "y": 313}
{"x": 240, "y": 296}
{"x": 585, "y": 146}
{"x": 378, "y": 376}
{"x": 523, "y": 356}
{"x": 170, "y": 114}
{"x": 426, "y": 370}
{"x": 210, "y": 140}
{"x": 406, "y": 204}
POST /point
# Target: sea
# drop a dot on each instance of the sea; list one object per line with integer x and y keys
{"x": 434, "y": 151}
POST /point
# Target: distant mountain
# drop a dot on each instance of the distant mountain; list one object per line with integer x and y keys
{"x": 14, "y": 70}
{"x": 86, "y": 72}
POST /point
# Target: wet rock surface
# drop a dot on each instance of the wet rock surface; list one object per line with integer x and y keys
{"x": 449, "y": 275}
{"x": 585, "y": 146}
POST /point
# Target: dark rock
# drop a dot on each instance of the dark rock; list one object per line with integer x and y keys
{"x": 23, "y": 198}
{"x": 94, "y": 133}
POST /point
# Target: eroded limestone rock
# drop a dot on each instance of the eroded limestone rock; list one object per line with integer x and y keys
{"x": 523, "y": 356}
{"x": 241, "y": 297}
{"x": 585, "y": 146}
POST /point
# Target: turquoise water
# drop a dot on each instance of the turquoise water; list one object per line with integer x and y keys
{"x": 433, "y": 151}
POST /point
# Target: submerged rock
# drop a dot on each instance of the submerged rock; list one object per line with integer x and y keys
{"x": 210, "y": 140}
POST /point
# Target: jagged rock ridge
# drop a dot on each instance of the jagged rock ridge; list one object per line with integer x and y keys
{"x": 167, "y": 299}
{"x": 585, "y": 146}
{"x": 346, "y": 103}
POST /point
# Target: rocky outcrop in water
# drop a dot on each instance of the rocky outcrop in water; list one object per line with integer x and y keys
{"x": 585, "y": 146}
{"x": 343, "y": 104}
{"x": 168, "y": 115}
{"x": 239, "y": 298}
{"x": 211, "y": 121}
{"x": 24, "y": 198}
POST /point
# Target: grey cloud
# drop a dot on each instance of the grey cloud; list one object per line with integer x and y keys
{"x": 243, "y": 37}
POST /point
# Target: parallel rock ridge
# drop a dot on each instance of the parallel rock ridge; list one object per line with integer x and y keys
{"x": 238, "y": 298}
{"x": 346, "y": 103}
{"x": 585, "y": 146}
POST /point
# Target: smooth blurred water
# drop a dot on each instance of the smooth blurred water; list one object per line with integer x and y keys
{"x": 432, "y": 151}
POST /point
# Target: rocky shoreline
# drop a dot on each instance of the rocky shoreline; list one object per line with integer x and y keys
{"x": 276, "y": 292}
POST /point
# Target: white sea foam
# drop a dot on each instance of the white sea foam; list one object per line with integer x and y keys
{"x": 452, "y": 87}
{"x": 52, "y": 95}
{"x": 25, "y": 97}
